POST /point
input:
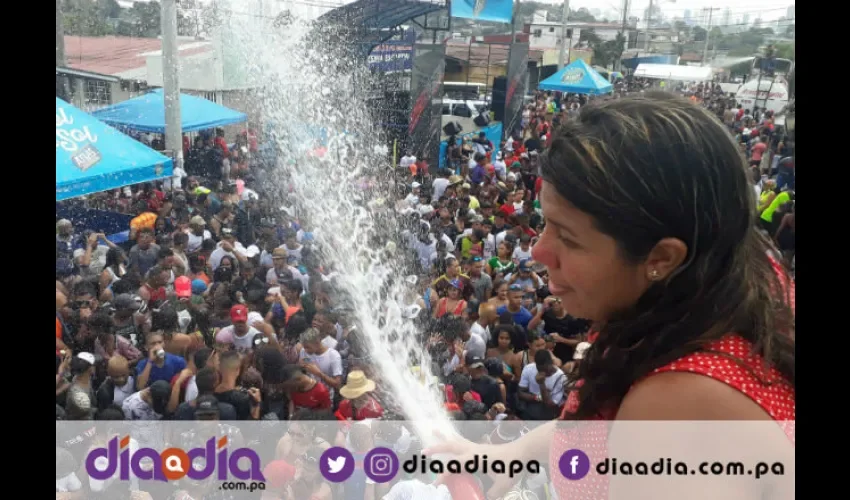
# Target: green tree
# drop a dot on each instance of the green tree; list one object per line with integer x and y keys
{"x": 784, "y": 50}
{"x": 581, "y": 15}
{"x": 83, "y": 18}
{"x": 109, "y": 9}
{"x": 589, "y": 38}
{"x": 143, "y": 21}
{"x": 698, "y": 34}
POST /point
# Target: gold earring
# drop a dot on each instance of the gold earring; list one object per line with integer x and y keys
{"x": 653, "y": 275}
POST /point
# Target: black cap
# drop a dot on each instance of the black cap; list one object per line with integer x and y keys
{"x": 474, "y": 361}
{"x": 127, "y": 302}
{"x": 207, "y": 405}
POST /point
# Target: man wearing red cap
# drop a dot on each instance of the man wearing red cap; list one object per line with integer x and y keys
{"x": 242, "y": 333}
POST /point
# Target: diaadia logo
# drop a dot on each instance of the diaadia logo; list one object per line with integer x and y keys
{"x": 174, "y": 463}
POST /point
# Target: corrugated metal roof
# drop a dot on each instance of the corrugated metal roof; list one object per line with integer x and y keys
{"x": 114, "y": 55}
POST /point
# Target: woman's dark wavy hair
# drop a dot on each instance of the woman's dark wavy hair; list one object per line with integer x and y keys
{"x": 653, "y": 168}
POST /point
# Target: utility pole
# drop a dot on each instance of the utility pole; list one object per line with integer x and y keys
{"x": 562, "y": 57}
{"x": 708, "y": 34}
{"x": 171, "y": 83}
{"x": 618, "y": 62}
{"x": 648, "y": 19}
{"x": 60, "y": 36}
{"x": 63, "y": 84}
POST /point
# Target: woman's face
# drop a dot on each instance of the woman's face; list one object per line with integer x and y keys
{"x": 583, "y": 262}
{"x": 454, "y": 293}
{"x": 503, "y": 251}
{"x": 502, "y": 293}
{"x": 504, "y": 340}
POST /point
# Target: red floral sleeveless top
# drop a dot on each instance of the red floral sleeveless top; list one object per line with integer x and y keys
{"x": 747, "y": 376}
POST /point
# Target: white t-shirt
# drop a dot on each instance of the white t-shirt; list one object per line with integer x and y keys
{"x": 98, "y": 258}
{"x": 293, "y": 252}
{"x": 191, "y": 390}
{"x": 242, "y": 344}
{"x": 329, "y": 342}
{"x": 407, "y": 161}
{"x": 439, "y": 186}
{"x": 135, "y": 408}
{"x": 219, "y": 253}
{"x": 330, "y": 363}
{"x": 521, "y": 254}
{"x": 195, "y": 241}
{"x": 476, "y": 345}
{"x": 477, "y": 329}
{"x": 122, "y": 393}
{"x": 554, "y": 382}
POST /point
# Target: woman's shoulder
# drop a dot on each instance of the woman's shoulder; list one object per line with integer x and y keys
{"x": 724, "y": 381}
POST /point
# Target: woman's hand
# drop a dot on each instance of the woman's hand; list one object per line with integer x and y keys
{"x": 462, "y": 449}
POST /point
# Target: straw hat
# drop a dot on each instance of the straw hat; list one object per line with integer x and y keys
{"x": 356, "y": 385}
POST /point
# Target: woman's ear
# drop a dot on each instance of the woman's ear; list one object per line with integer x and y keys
{"x": 665, "y": 258}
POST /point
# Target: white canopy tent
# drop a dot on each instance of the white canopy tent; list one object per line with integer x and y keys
{"x": 674, "y": 72}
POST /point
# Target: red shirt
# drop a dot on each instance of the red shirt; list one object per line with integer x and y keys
{"x": 450, "y": 395}
{"x": 220, "y": 142}
{"x": 317, "y": 398}
{"x": 507, "y": 209}
{"x": 371, "y": 410}
{"x": 182, "y": 386}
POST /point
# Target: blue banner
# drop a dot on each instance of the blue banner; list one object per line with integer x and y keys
{"x": 484, "y": 10}
{"x": 396, "y": 54}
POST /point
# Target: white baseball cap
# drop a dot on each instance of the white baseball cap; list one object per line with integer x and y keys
{"x": 87, "y": 357}
{"x": 581, "y": 348}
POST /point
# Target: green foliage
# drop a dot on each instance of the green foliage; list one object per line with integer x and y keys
{"x": 608, "y": 52}
{"x": 142, "y": 20}
{"x": 86, "y": 17}
{"x": 105, "y": 17}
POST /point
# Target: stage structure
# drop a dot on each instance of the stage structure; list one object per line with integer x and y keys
{"x": 396, "y": 39}
{"x": 516, "y": 88}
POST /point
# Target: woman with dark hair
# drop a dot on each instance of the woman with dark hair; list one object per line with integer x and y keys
{"x": 652, "y": 196}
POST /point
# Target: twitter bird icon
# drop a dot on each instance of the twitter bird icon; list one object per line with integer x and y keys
{"x": 336, "y": 464}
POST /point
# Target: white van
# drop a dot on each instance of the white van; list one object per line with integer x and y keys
{"x": 464, "y": 109}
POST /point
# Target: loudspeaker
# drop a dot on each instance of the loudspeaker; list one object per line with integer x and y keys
{"x": 500, "y": 91}
{"x": 452, "y": 128}
{"x": 483, "y": 119}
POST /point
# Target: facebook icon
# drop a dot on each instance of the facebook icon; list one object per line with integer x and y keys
{"x": 574, "y": 464}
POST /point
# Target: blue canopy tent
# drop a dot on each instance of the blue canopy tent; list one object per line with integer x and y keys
{"x": 147, "y": 113}
{"x": 578, "y": 78}
{"x": 92, "y": 156}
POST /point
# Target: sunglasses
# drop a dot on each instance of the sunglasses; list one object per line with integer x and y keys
{"x": 82, "y": 304}
{"x": 515, "y": 288}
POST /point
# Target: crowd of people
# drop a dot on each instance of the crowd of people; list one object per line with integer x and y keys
{"x": 221, "y": 306}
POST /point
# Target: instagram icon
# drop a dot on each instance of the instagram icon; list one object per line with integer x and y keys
{"x": 381, "y": 465}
